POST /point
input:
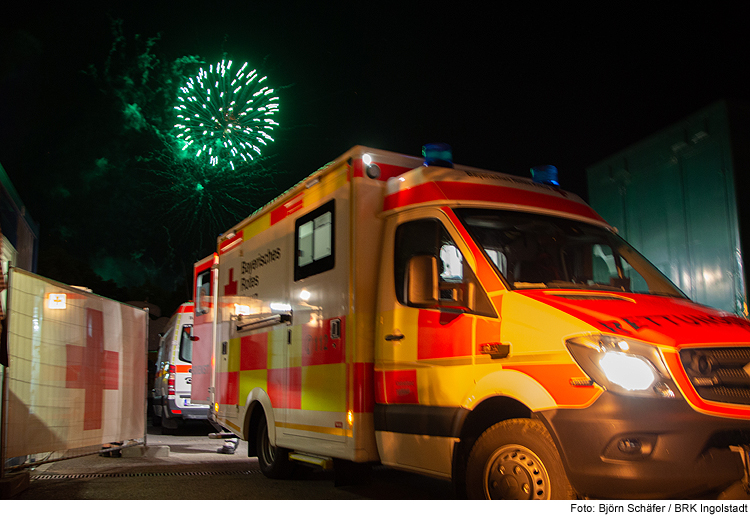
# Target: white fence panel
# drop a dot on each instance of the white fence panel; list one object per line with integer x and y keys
{"x": 77, "y": 368}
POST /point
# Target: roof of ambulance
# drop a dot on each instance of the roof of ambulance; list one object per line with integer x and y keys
{"x": 456, "y": 173}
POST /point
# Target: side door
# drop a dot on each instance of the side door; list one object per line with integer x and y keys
{"x": 434, "y": 313}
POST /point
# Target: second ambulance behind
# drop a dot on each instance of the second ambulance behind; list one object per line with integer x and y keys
{"x": 468, "y": 325}
{"x": 172, "y": 383}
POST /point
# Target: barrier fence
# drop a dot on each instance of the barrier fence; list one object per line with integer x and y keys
{"x": 76, "y": 370}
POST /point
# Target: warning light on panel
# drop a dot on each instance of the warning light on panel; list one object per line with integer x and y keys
{"x": 56, "y": 301}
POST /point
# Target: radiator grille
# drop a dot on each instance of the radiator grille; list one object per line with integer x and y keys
{"x": 719, "y": 374}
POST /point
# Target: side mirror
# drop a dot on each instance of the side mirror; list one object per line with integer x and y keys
{"x": 188, "y": 332}
{"x": 422, "y": 281}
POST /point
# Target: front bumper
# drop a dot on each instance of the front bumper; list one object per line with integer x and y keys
{"x": 627, "y": 447}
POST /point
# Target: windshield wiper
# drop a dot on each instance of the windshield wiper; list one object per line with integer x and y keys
{"x": 581, "y": 286}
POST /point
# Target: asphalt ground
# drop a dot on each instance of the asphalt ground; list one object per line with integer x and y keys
{"x": 194, "y": 469}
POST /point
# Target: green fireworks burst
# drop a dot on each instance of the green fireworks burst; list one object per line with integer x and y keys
{"x": 225, "y": 118}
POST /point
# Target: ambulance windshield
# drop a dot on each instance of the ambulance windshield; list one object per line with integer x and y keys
{"x": 533, "y": 251}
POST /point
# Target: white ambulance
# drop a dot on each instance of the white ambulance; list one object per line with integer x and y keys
{"x": 468, "y": 325}
{"x": 172, "y": 401}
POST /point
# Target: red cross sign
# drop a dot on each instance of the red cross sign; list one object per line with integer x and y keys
{"x": 93, "y": 369}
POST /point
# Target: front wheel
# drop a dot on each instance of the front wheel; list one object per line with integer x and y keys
{"x": 273, "y": 461}
{"x": 516, "y": 459}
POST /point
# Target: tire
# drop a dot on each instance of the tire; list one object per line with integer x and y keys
{"x": 156, "y": 420}
{"x": 516, "y": 460}
{"x": 273, "y": 461}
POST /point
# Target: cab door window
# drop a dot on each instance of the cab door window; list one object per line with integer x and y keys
{"x": 431, "y": 272}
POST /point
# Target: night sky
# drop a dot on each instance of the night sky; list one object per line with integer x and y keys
{"x": 507, "y": 89}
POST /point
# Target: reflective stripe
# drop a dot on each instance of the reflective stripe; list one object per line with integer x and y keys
{"x": 467, "y": 192}
{"x": 316, "y": 429}
{"x": 460, "y": 191}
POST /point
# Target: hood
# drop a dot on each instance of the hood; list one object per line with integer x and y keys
{"x": 658, "y": 320}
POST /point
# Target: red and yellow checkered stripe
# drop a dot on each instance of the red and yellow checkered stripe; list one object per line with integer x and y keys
{"x": 314, "y": 376}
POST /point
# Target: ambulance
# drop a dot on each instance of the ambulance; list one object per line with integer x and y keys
{"x": 469, "y": 325}
{"x": 172, "y": 383}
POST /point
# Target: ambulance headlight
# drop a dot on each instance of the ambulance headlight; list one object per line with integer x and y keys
{"x": 623, "y": 366}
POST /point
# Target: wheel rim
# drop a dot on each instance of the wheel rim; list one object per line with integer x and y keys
{"x": 515, "y": 472}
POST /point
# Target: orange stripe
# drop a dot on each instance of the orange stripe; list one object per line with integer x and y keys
{"x": 183, "y": 368}
{"x": 556, "y": 381}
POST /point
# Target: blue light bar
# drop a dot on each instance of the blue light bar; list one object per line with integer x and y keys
{"x": 438, "y": 154}
{"x": 546, "y": 174}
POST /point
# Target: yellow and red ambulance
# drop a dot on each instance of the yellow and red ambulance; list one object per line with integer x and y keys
{"x": 468, "y": 325}
{"x": 172, "y": 383}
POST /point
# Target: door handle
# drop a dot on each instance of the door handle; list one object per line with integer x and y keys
{"x": 394, "y": 337}
{"x": 495, "y": 350}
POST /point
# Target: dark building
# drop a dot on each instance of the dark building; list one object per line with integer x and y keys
{"x": 20, "y": 242}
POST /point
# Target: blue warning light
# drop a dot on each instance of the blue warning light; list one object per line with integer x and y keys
{"x": 438, "y": 155}
{"x": 546, "y": 174}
